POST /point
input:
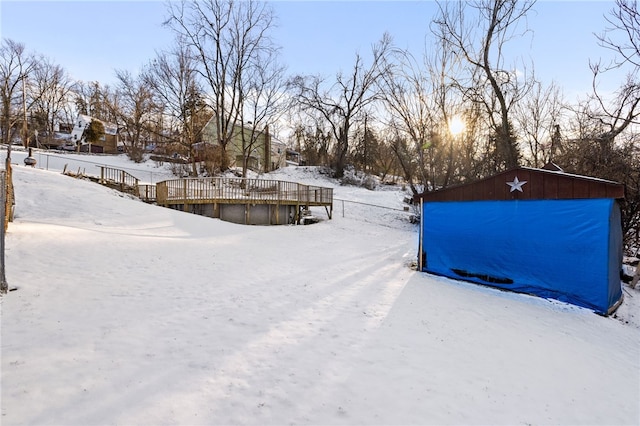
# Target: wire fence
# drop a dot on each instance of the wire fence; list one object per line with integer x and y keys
{"x": 393, "y": 217}
{"x": 52, "y": 161}
{"x": 59, "y": 161}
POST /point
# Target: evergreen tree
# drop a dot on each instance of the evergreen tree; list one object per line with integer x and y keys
{"x": 506, "y": 154}
{"x": 94, "y": 131}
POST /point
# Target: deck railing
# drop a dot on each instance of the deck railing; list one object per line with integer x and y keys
{"x": 109, "y": 174}
{"x": 147, "y": 193}
{"x": 193, "y": 190}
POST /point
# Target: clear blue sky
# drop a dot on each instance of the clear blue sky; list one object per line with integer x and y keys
{"x": 92, "y": 38}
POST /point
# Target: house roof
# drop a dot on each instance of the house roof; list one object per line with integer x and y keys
{"x": 109, "y": 128}
{"x": 524, "y": 183}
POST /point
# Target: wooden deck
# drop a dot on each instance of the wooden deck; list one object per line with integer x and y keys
{"x": 249, "y": 201}
{"x": 189, "y": 192}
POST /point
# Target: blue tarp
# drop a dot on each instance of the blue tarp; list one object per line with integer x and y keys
{"x": 568, "y": 250}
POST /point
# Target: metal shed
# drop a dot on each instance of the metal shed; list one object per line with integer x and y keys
{"x": 541, "y": 232}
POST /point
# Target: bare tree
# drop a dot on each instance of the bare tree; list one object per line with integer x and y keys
{"x": 480, "y": 42}
{"x": 421, "y": 100}
{"x": 365, "y": 146}
{"x": 135, "y": 112}
{"x": 173, "y": 80}
{"x": 311, "y": 140}
{"x": 386, "y": 162}
{"x": 227, "y": 37}
{"x": 15, "y": 67}
{"x": 95, "y": 100}
{"x": 407, "y": 96}
{"x": 404, "y": 153}
{"x": 538, "y": 117}
{"x": 624, "y": 19}
{"x": 340, "y": 102}
{"x": 624, "y": 110}
{"x": 51, "y": 89}
{"x": 262, "y": 96}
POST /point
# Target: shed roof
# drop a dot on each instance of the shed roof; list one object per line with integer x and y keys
{"x": 524, "y": 183}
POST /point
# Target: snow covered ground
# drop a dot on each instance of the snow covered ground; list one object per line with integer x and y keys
{"x": 128, "y": 313}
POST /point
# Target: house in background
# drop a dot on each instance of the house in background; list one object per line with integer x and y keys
{"x": 278, "y": 153}
{"x": 540, "y": 232}
{"x": 294, "y": 158}
{"x": 266, "y": 153}
{"x": 108, "y": 144}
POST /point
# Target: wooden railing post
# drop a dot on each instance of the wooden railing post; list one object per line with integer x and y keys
{"x": 184, "y": 194}
{"x": 4, "y": 286}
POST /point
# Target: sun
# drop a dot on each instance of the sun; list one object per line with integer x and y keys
{"x": 456, "y": 125}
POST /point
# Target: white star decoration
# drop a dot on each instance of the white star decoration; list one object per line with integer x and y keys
{"x": 516, "y": 185}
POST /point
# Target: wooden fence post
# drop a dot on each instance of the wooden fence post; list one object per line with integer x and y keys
{"x": 4, "y": 286}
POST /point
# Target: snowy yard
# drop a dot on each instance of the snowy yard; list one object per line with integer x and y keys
{"x": 128, "y": 313}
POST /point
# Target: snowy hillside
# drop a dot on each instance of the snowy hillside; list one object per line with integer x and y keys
{"x": 128, "y": 313}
